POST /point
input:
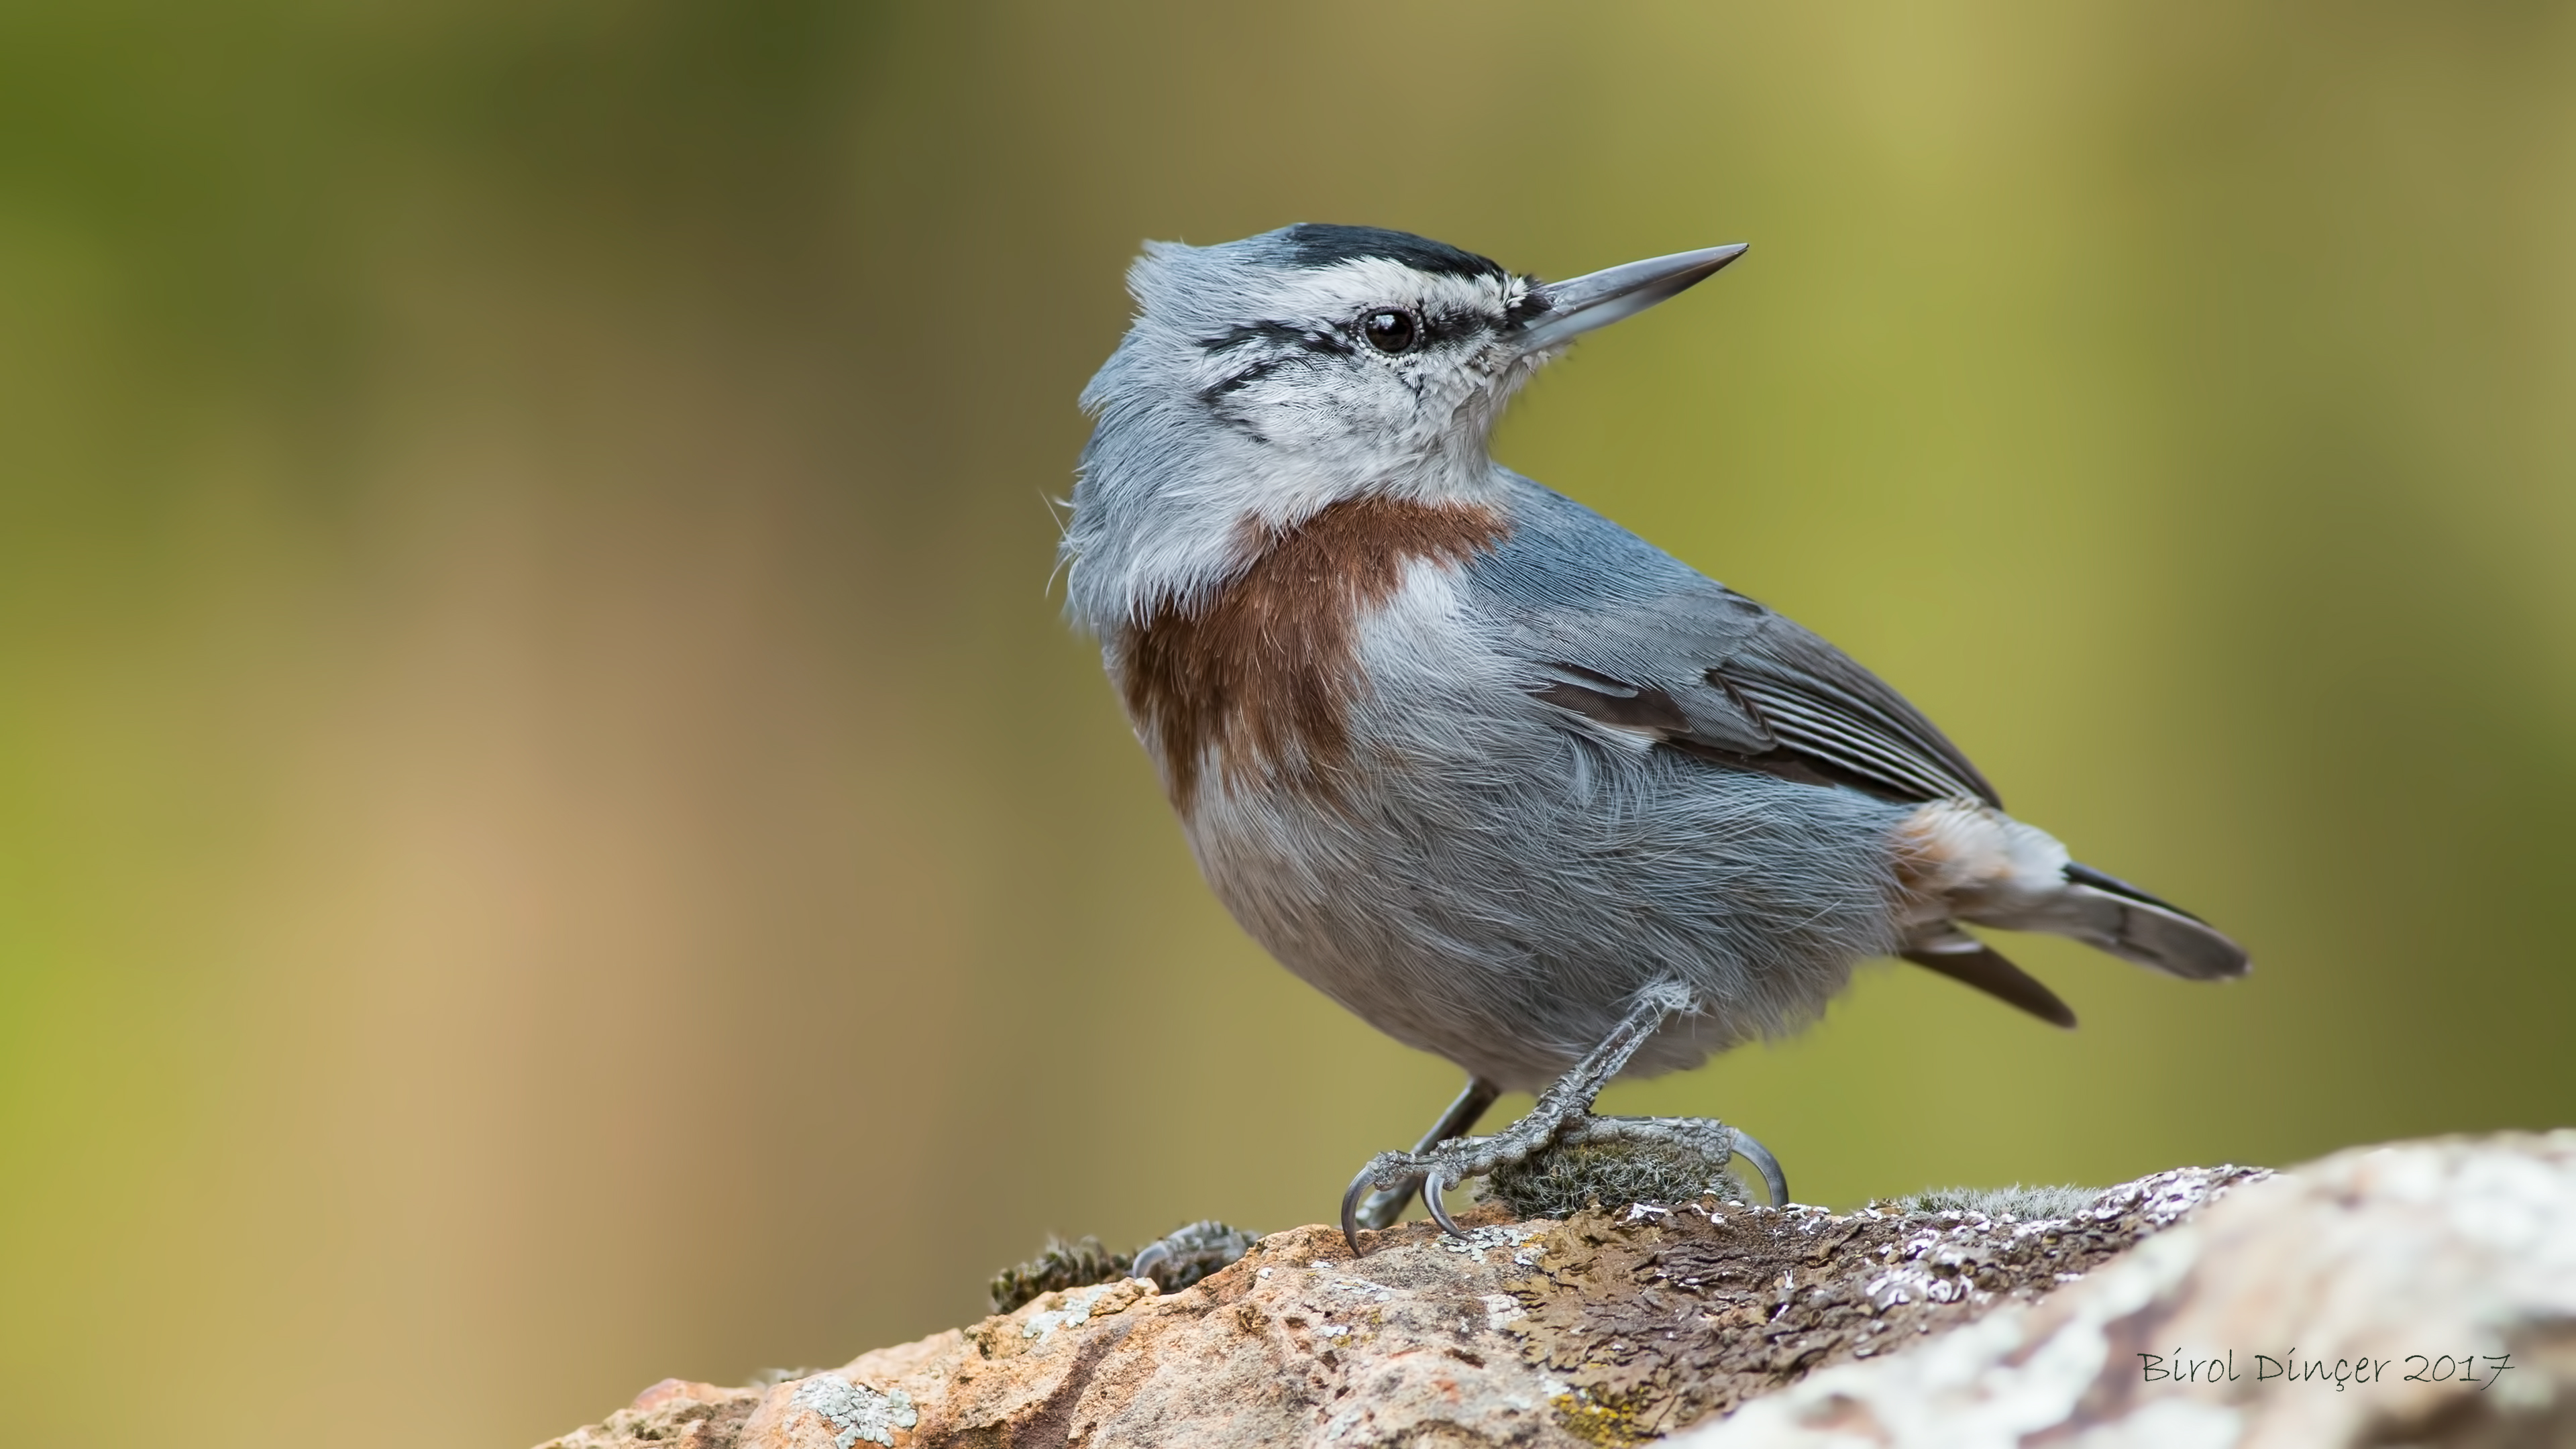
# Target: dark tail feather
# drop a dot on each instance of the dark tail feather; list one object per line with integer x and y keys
{"x": 2082, "y": 874}
{"x": 1985, "y": 969}
{"x": 2112, "y": 915}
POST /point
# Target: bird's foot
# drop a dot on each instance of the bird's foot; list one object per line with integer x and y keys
{"x": 1383, "y": 1207}
{"x": 1442, "y": 1167}
{"x": 1553, "y": 1163}
{"x": 1437, "y": 1166}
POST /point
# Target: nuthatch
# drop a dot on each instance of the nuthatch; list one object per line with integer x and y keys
{"x": 1491, "y": 771}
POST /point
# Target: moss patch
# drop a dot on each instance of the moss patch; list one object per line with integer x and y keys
{"x": 1564, "y": 1180}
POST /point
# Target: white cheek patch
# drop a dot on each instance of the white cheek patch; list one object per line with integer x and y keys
{"x": 1326, "y": 409}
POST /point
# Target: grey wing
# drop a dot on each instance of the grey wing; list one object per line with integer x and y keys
{"x": 1619, "y": 633}
{"x": 1622, "y": 634}
{"x": 1820, "y": 705}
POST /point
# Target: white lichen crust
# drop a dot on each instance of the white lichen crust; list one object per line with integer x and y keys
{"x": 1995, "y": 1320}
{"x": 856, "y": 1411}
{"x": 2414, "y": 1294}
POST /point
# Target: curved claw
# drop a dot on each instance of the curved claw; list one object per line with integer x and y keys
{"x": 1432, "y": 1187}
{"x": 1774, "y": 1181}
{"x": 1148, "y": 1258}
{"x": 1351, "y": 1208}
{"x": 1380, "y": 1209}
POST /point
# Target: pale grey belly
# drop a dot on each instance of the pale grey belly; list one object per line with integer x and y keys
{"x": 1497, "y": 889}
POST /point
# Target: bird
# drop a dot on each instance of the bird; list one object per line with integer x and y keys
{"x": 1510, "y": 783}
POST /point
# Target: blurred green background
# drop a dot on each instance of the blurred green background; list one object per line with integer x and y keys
{"x": 551, "y": 833}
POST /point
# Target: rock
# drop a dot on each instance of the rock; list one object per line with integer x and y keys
{"x": 2419, "y": 1294}
{"x": 1993, "y": 1320}
{"x": 673, "y": 1414}
{"x": 1605, "y": 1328}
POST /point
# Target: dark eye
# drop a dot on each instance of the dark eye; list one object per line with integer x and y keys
{"x": 1391, "y": 332}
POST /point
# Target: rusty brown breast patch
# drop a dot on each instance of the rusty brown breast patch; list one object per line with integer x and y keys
{"x": 1264, "y": 673}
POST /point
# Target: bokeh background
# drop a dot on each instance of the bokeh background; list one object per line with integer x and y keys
{"x": 551, "y": 833}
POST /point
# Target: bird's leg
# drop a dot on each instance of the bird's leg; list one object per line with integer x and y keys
{"x": 1561, "y": 1108}
{"x": 1385, "y": 1205}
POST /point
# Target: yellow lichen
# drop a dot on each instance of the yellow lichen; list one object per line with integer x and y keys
{"x": 1611, "y": 1422}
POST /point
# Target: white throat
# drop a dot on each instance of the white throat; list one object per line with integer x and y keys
{"x": 1167, "y": 514}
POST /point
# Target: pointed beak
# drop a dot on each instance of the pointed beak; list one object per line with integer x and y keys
{"x": 1597, "y": 299}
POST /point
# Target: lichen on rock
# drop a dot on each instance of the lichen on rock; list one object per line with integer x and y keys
{"x": 2419, "y": 1294}
{"x": 856, "y": 1411}
{"x": 1980, "y": 1319}
{"x": 1608, "y": 1327}
{"x": 1657, "y": 1317}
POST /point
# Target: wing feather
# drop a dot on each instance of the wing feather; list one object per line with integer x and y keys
{"x": 1858, "y": 742}
{"x": 1622, "y": 633}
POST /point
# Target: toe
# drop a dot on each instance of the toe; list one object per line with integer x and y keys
{"x": 1432, "y": 1188}
{"x": 1774, "y": 1181}
{"x": 1384, "y": 1206}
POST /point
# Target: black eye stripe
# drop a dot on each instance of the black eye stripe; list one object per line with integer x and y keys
{"x": 1288, "y": 334}
{"x": 1427, "y": 330}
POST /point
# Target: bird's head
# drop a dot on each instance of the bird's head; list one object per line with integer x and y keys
{"x": 1266, "y": 379}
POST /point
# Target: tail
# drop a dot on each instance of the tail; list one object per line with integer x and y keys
{"x": 1971, "y": 962}
{"x": 1964, "y": 862}
{"x": 2109, "y": 914}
